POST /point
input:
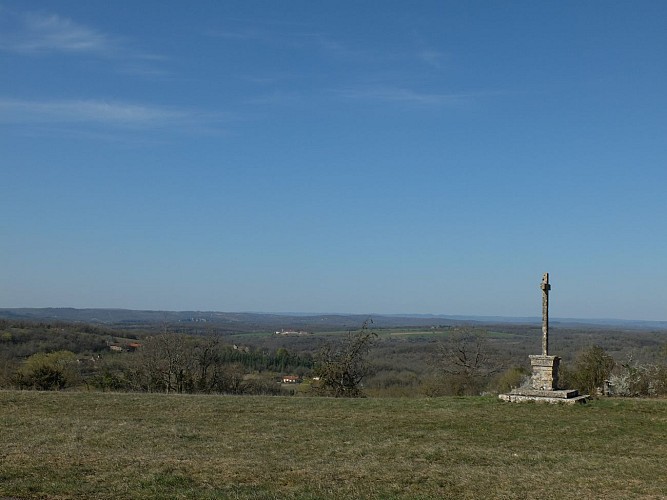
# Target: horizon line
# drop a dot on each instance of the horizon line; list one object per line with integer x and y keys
{"x": 507, "y": 318}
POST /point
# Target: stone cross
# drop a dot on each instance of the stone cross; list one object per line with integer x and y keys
{"x": 545, "y": 286}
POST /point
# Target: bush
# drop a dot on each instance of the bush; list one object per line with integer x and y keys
{"x": 260, "y": 385}
{"x": 511, "y": 378}
{"x": 592, "y": 368}
{"x": 634, "y": 380}
{"x": 49, "y": 371}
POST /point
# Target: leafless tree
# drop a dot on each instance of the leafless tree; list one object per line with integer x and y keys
{"x": 341, "y": 367}
{"x": 206, "y": 355}
{"x": 467, "y": 361}
{"x": 169, "y": 363}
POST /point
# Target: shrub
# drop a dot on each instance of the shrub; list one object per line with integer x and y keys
{"x": 592, "y": 368}
{"x": 49, "y": 371}
{"x": 511, "y": 379}
{"x": 635, "y": 380}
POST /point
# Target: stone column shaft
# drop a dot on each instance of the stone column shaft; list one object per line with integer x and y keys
{"x": 545, "y": 286}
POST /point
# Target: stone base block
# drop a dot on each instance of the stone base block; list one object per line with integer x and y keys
{"x": 545, "y": 372}
{"x": 569, "y": 397}
{"x": 561, "y": 393}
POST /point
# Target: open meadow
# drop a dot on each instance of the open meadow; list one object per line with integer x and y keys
{"x": 113, "y": 445}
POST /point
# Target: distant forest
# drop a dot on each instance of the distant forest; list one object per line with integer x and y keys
{"x": 301, "y": 355}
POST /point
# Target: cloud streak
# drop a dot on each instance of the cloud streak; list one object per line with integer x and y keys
{"x": 41, "y": 33}
{"x": 35, "y": 34}
{"x": 102, "y": 113}
{"x": 403, "y": 95}
{"x": 297, "y": 40}
{"x": 431, "y": 58}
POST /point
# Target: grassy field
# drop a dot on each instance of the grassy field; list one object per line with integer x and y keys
{"x": 96, "y": 445}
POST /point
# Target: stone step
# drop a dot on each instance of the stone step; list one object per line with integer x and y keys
{"x": 520, "y": 398}
{"x": 559, "y": 393}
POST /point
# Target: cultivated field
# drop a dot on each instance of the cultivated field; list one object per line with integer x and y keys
{"x": 103, "y": 445}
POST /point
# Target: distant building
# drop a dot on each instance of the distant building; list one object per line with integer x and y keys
{"x": 291, "y": 379}
{"x": 132, "y": 346}
{"x": 291, "y": 332}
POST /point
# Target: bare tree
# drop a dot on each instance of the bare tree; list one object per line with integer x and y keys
{"x": 468, "y": 361}
{"x": 229, "y": 378}
{"x": 169, "y": 362}
{"x": 207, "y": 359}
{"x": 342, "y": 367}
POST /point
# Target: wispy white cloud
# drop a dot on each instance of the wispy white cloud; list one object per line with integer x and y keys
{"x": 272, "y": 34}
{"x": 405, "y": 95}
{"x": 432, "y": 58}
{"x": 32, "y": 32}
{"x": 280, "y": 98}
{"x": 37, "y": 33}
{"x": 142, "y": 69}
{"x": 242, "y": 35}
{"x": 103, "y": 113}
{"x": 351, "y": 53}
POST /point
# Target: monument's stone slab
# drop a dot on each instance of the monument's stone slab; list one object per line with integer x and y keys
{"x": 562, "y": 394}
{"x": 513, "y": 397}
{"x": 566, "y": 396}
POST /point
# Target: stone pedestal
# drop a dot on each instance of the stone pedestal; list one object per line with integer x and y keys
{"x": 543, "y": 386}
{"x": 545, "y": 372}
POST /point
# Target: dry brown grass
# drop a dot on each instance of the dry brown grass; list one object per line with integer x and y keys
{"x": 95, "y": 445}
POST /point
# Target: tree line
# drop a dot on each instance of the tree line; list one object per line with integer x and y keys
{"x": 460, "y": 361}
{"x": 169, "y": 363}
{"x": 42, "y": 356}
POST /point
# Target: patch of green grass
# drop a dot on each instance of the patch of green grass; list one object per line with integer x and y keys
{"x": 102, "y": 445}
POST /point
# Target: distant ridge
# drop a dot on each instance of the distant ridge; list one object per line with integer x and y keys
{"x": 312, "y": 320}
{"x": 625, "y": 323}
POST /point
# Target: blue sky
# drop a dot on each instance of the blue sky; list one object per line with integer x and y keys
{"x": 362, "y": 157}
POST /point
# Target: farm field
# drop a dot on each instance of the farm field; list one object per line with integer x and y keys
{"x": 114, "y": 445}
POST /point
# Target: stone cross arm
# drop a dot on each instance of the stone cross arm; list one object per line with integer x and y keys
{"x": 545, "y": 286}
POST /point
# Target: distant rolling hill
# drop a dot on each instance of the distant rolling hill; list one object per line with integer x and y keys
{"x": 264, "y": 321}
